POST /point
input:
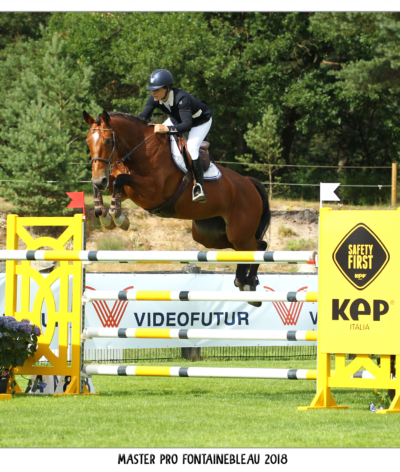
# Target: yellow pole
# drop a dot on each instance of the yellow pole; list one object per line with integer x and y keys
{"x": 394, "y": 183}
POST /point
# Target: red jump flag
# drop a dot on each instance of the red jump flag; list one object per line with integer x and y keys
{"x": 77, "y": 200}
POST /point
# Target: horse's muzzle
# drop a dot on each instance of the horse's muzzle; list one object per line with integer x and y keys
{"x": 100, "y": 184}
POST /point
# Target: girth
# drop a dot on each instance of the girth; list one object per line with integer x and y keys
{"x": 167, "y": 209}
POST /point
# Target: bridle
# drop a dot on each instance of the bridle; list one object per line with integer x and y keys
{"x": 109, "y": 161}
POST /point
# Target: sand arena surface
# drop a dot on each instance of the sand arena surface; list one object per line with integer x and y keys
{"x": 290, "y": 222}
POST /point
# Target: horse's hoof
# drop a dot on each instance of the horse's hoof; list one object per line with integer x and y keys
{"x": 107, "y": 222}
{"x": 252, "y": 282}
{"x": 249, "y": 288}
{"x": 256, "y": 304}
{"x": 238, "y": 284}
{"x": 122, "y": 222}
{"x": 125, "y": 224}
{"x": 252, "y": 288}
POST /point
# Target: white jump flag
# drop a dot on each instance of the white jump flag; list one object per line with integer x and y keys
{"x": 327, "y": 193}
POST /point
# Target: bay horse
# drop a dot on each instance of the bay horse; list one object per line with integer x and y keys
{"x": 133, "y": 162}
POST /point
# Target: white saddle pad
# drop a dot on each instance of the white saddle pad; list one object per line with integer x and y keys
{"x": 213, "y": 173}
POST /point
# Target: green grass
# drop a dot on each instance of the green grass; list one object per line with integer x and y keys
{"x": 110, "y": 242}
{"x": 301, "y": 245}
{"x": 190, "y": 412}
{"x": 286, "y": 230}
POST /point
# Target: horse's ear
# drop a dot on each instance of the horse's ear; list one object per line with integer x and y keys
{"x": 106, "y": 118}
{"x": 87, "y": 118}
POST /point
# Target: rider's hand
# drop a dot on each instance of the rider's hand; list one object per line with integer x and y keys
{"x": 160, "y": 129}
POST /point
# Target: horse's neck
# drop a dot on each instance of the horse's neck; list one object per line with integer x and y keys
{"x": 152, "y": 150}
{"x": 152, "y": 159}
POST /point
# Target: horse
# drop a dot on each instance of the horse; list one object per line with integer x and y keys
{"x": 133, "y": 162}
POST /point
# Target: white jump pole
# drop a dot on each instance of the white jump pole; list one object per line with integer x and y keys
{"x": 163, "y": 333}
{"x": 164, "y": 257}
{"x": 207, "y": 372}
{"x": 222, "y": 296}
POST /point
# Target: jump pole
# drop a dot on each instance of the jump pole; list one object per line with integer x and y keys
{"x": 156, "y": 333}
{"x": 165, "y": 257}
{"x": 223, "y": 296}
{"x": 206, "y": 372}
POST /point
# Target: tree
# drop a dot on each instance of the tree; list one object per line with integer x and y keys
{"x": 20, "y": 26}
{"x": 43, "y": 123}
{"x": 332, "y": 79}
{"x": 265, "y": 141}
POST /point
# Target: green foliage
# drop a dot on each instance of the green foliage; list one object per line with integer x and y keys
{"x": 41, "y": 130}
{"x": 382, "y": 399}
{"x": 300, "y": 245}
{"x": 110, "y": 242}
{"x": 20, "y": 26}
{"x": 327, "y": 83}
{"x": 264, "y": 140}
{"x": 286, "y": 230}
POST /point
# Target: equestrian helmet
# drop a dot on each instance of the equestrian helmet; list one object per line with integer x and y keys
{"x": 160, "y": 78}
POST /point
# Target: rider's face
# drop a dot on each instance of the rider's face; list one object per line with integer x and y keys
{"x": 159, "y": 94}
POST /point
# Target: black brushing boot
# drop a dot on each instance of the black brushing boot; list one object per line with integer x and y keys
{"x": 198, "y": 193}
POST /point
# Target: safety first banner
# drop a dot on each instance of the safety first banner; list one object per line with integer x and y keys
{"x": 358, "y": 286}
{"x": 185, "y": 315}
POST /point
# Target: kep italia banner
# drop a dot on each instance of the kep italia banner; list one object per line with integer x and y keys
{"x": 187, "y": 314}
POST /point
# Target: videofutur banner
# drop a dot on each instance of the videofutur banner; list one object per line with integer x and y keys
{"x": 185, "y": 314}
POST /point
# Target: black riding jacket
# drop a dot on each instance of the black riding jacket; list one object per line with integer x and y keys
{"x": 186, "y": 111}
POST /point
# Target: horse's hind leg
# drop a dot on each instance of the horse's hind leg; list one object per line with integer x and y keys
{"x": 211, "y": 233}
{"x": 252, "y": 279}
{"x": 241, "y": 276}
{"x": 100, "y": 211}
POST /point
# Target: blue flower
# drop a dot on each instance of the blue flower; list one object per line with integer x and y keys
{"x": 37, "y": 331}
{"x": 14, "y": 325}
{"x": 25, "y": 328}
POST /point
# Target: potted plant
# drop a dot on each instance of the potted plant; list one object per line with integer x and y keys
{"x": 18, "y": 341}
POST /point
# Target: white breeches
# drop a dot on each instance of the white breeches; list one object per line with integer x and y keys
{"x": 196, "y": 137}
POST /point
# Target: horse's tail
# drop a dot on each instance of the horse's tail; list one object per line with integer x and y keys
{"x": 266, "y": 213}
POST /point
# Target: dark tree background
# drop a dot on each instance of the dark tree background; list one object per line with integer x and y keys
{"x": 330, "y": 82}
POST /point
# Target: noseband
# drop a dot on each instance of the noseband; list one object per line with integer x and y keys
{"x": 109, "y": 161}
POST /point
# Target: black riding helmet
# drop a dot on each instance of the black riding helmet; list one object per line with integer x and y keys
{"x": 160, "y": 78}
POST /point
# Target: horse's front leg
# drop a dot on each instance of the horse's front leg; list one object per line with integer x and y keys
{"x": 100, "y": 211}
{"x": 119, "y": 218}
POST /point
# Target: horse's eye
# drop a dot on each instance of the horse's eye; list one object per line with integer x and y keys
{"x": 108, "y": 141}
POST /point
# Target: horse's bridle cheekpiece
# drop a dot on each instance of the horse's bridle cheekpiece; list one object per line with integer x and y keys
{"x": 109, "y": 161}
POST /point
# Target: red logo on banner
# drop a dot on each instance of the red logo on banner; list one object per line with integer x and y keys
{"x": 110, "y": 318}
{"x": 288, "y": 314}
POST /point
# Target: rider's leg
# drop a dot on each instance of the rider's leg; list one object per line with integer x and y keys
{"x": 174, "y": 147}
{"x": 196, "y": 137}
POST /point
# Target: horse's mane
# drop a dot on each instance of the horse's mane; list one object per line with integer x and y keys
{"x": 125, "y": 116}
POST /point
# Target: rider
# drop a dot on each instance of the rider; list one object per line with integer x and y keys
{"x": 186, "y": 113}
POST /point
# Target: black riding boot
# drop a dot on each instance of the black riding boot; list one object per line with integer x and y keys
{"x": 198, "y": 193}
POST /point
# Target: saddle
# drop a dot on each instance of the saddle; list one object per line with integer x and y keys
{"x": 204, "y": 154}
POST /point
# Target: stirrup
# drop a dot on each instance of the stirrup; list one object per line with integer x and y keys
{"x": 201, "y": 196}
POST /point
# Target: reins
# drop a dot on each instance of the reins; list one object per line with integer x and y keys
{"x": 109, "y": 161}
